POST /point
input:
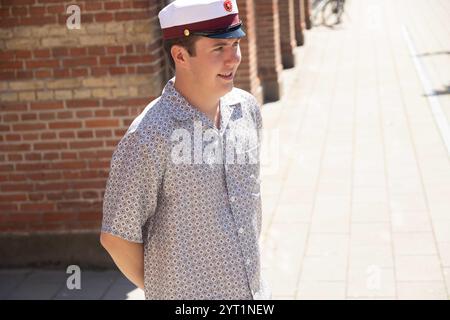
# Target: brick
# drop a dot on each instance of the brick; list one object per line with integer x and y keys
{"x": 15, "y": 157}
{"x": 13, "y": 106}
{"x": 135, "y": 59}
{"x": 81, "y": 93}
{"x": 42, "y": 64}
{"x": 78, "y": 51}
{"x": 27, "y": 96}
{"x": 60, "y": 52}
{"x": 48, "y": 136}
{"x": 59, "y": 217}
{"x": 85, "y": 103}
{"x": 22, "y": 75}
{"x": 64, "y": 115}
{"x": 117, "y": 70}
{"x": 13, "y": 198}
{"x": 45, "y": 95}
{"x": 46, "y": 105}
{"x": 40, "y": 74}
{"x": 104, "y": 17}
{"x": 131, "y": 15}
{"x": 107, "y": 60}
{"x": 96, "y": 51}
{"x": 9, "y": 96}
{"x": 115, "y": 50}
{"x": 56, "y": 9}
{"x": 105, "y": 113}
{"x": 99, "y": 72}
{"x": 85, "y": 134}
{"x": 37, "y": 207}
{"x": 6, "y": 65}
{"x": 6, "y": 55}
{"x": 50, "y": 146}
{"x": 90, "y": 216}
{"x": 22, "y": 54}
{"x": 63, "y": 84}
{"x": 140, "y": 4}
{"x": 26, "y": 85}
{"x": 28, "y": 116}
{"x": 97, "y": 40}
{"x": 19, "y": 11}
{"x": 101, "y": 93}
{"x": 61, "y": 73}
{"x": 25, "y": 187}
{"x": 92, "y": 61}
{"x": 8, "y": 22}
{"x": 30, "y": 136}
{"x": 102, "y": 82}
{"x": 101, "y": 123}
{"x": 63, "y": 94}
{"x": 85, "y": 114}
{"x": 64, "y": 125}
{"x": 42, "y": 53}
{"x": 5, "y": 12}
{"x": 86, "y": 144}
{"x": 7, "y": 75}
{"x": 37, "y": 11}
{"x": 37, "y": 21}
{"x": 112, "y": 5}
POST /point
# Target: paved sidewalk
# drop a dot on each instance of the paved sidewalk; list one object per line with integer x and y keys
{"x": 356, "y": 197}
{"x": 360, "y": 206}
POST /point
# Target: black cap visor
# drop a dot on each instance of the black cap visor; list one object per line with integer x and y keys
{"x": 228, "y": 33}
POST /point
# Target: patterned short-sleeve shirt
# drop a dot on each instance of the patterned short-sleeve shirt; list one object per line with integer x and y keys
{"x": 190, "y": 192}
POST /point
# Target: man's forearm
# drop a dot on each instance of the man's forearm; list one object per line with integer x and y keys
{"x": 128, "y": 256}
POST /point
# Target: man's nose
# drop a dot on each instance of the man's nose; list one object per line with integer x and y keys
{"x": 234, "y": 57}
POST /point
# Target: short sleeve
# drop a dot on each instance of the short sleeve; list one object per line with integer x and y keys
{"x": 131, "y": 195}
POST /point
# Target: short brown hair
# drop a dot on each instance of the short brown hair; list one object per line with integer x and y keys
{"x": 186, "y": 42}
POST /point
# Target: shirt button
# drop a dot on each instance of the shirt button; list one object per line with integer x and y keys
{"x": 233, "y": 199}
{"x": 241, "y": 230}
{"x": 247, "y": 262}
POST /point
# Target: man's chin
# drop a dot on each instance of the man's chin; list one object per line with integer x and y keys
{"x": 227, "y": 88}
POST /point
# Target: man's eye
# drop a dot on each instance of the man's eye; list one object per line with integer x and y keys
{"x": 218, "y": 49}
{"x": 236, "y": 44}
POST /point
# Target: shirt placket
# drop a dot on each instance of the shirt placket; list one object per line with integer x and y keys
{"x": 241, "y": 229}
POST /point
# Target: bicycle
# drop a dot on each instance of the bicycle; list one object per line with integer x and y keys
{"x": 327, "y": 12}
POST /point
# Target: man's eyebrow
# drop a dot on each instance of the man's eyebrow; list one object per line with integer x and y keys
{"x": 220, "y": 44}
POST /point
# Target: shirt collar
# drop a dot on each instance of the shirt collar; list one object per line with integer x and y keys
{"x": 182, "y": 110}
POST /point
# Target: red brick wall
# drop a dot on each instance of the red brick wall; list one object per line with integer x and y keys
{"x": 247, "y": 76}
{"x": 307, "y": 6}
{"x": 299, "y": 18}
{"x": 269, "y": 48}
{"x": 287, "y": 32}
{"x": 66, "y": 98}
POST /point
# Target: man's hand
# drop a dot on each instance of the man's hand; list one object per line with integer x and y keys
{"x": 128, "y": 256}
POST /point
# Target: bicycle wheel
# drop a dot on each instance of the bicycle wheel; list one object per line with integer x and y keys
{"x": 317, "y": 14}
{"x": 331, "y": 13}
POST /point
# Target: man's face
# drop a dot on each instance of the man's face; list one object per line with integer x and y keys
{"x": 215, "y": 63}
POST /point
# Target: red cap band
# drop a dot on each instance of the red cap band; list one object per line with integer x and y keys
{"x": 208, "y": 25}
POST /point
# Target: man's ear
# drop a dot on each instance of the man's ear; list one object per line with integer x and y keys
{"x": 179, "y": 55}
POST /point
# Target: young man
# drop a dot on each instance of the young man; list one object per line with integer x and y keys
{"x": 182, "y": 207}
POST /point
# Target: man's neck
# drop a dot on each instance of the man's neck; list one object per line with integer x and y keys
{"x": 197, "y": 98}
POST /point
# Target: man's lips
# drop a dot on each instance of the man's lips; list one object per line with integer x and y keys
{"x": 226, "y": 76}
